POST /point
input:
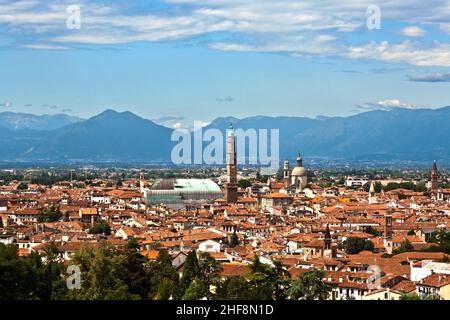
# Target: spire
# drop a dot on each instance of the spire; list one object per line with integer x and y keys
{"x": 286, "y": 174}
{"x": 299, "y": 161}
{"x": 434, "y": 167}
{"x": 372, "y": 198}
{"x": 372, "y": 187}
{"x": 434, "y": 177}
{"x": 230, "y": 130}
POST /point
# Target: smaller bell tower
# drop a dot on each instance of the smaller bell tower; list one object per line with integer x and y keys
{"x": 388, "y": 232}
{"x": 286, "y": 174}
{"x": 141, "y": 181}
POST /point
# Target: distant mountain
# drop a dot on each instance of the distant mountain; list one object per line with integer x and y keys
{"x": 109, "y": 136}
{"x": 20, "y": 121}
{"x": 288, "y": 125}
{"x": 403, "y": 134}
{"x": 400, "y": 134}
{"x": 288, "y": 128}
{"x": 171, "y": 122}
{"x": 323, "y": 118}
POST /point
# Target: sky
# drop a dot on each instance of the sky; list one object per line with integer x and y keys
{"x": 184, "y": 60}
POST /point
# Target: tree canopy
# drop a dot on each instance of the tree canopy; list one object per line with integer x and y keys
{"x": 356, "y": 245}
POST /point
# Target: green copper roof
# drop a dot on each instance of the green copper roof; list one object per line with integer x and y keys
{"x": 196, "y": 185}
{"x": 180, "y": 190}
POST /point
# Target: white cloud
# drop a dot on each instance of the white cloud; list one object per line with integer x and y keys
{"x": 321, "y": 45}
{"x": 413, "y": 32}
{"x": 298, "y": 28}
{"x": 386, "y": 105}
{"x": 44, "y": 46}
{"x": 7, "y": 104}
{"x": 445, "y": 27}
{"x": 394, "y": 103}
{"x": 409, "y": 52}
{"x": 325, "y": 38}
{"x": 432, "y": 77}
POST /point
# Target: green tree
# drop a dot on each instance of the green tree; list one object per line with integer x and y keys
{"x": 310, "y": 286}
{"x": 371, "y": 230}
{"x": 356, "y": 245}
{"x": 44, "y": 278}
{"x": 441, "y": 239}
{"x": 50, "y": 214}
{"x": 415, "y": 296}
{"x": 136, "y": 277}
{"x": 233, "y": 288}
{"x": 34, "y": 277}
{"x": 405, "y": 246}
{"x": 377, "y": 186}
{"x": 209, "y": 270}
{"x": 100, "y": 228}
{"x": 243, "y": 183}
{"x": 340, "y": 181}
{"x": 261, "y": 281}
{"x": 13, "y": 274}
{"x": 102, "y": 274}
{"x": 22, "y": 186}
{"x": 410, "y": 296}
{"x": 120, "y": 292}
{"x": 421, "y": 187}
{"x": 281, "y": 280}
{"x": 133, "y": 245}
{"x": 163, "y": 277}
{"x": 196, "y": 290}
{"x": 191, "y": 271}
{"x": 165, "y": 289}
{"x": 234, "y": 240}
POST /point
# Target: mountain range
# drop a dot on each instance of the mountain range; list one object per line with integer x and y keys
{"x": 19, "y": 121}
{"x": 398, "y": 134}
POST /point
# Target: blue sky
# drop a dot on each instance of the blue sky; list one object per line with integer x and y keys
{"x": 201, "y": 59}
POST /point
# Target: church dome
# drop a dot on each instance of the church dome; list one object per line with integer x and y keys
{"x": 299, "y": 170}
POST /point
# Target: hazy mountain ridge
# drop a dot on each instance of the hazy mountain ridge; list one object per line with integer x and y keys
{"x": 400, "y": 134}
{"x": 108, "y": 136}
{"x": 20, "y": 121}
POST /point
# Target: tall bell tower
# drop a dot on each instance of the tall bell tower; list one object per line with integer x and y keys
{"x": 388, "y": 232}
{"x": 231, "y": 188}
{"x": 434, "y": 178}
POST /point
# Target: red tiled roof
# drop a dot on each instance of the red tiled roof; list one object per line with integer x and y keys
{"x": 234, "y": 269}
